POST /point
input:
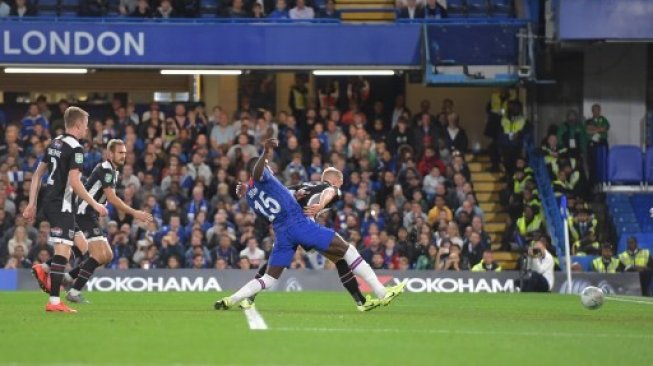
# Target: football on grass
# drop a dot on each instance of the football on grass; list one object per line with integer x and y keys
{"x": 592, "y": 297}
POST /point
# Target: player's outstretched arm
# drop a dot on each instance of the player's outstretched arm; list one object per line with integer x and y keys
{"x": 30, "y": 210}
{"x": 119, "y": 204}
{"x": 74, "y": 177}
{"x": 268, "y": 145}
{"x": 325, "y": 197}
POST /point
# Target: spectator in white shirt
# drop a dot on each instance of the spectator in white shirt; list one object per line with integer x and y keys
{"x": 4, "y": 9}
{"x": 252, "y": 252}
{"x": 301, "y": 11}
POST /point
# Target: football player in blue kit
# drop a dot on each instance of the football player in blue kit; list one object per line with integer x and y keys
{"x": 269, "y": 198}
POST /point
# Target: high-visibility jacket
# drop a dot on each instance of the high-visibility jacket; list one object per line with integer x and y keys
{"x": 513, "y": 126}
{"x": 599, "y": 266}
{"x": 639, "y": 258}
{"x": 481, "y": 267}
{"x": 527, "y": 228}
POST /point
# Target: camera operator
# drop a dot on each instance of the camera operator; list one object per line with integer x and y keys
{"x": 540, "y": 264}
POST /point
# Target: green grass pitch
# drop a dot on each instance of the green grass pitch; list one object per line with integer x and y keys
{"x": 325, "y": 329}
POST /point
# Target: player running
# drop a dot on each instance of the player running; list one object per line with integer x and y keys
{"x": 63, "y": 159}
{"x": 318, "y": 198}
{"x": 101, "y": 184}
{"x": 272, "y": 200}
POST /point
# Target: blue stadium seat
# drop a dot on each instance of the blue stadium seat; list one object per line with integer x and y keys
{"x": 584, "y": 260}
{"x": 69, "y": 8}
{"x": 601, "y": 163}
{"x": 648, "y": 165}
{"x": 208, "y": 8}
{"x": 645, "y": 241}
{"x": 456, "y": 8}
{"x": 501, "y": 8}
{"x": 625, "y": 165}
{"x": 48, "y": 8}
{"x": 477, "y": 8}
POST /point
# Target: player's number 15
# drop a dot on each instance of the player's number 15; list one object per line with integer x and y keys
{"x": 267, "y": 206}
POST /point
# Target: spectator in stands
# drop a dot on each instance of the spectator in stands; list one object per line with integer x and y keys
{"x": 142, "y": 10}
{"x": 456, "y": 137}
{"x": 400, "y": 110}
{"x": 513, "y": 126}
{"x": 487, "y": 264}
{"x": 22, "y": 8}
{"x": 572, "y": 135}
{"x": 433, "y": 10}
{"x": 198, "y": 170}
{"x": 94, "y": 8}
{"x": 19, "y": 257}
{"x": 597, "y": 133}
{"x": 155, "y": 109}
{"x": 582, "y": 228}
{"x": 425, "y": 134}
{"x": 5, "y": 9}
{"x": 280, "y": 11}
{"x": 32, "y": 119}
{"x": 635, "y": 258}
{"x": 237, "y": 10}
{"x": 530, "y": 224}
{"x": 301, "y": 11}
{"x": 473, "y": 248}
{"x": 606, "y": 263}
{"x": 128, "y": 7}
{"x": 329, "y": 11}
{"x": 164, "y": 10}
{"x": 253, "y": 253}
{"x": 412, "y": 10}
{"x": 257, "y": 11}
{"x": 42, "y": 103}
{"x": 19, "y": 239}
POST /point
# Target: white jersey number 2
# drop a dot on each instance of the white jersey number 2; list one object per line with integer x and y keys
{"x": 267, "y": 206}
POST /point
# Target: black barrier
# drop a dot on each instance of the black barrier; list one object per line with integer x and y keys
{"x": 161, "y": 280}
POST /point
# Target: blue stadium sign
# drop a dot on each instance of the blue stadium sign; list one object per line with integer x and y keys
{"x": 209, "y": 44}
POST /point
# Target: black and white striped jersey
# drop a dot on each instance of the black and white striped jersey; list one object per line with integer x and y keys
{"x": 103, "y": 176}
{"x": 64, "y": 154}
{"x": 314, "y": 190}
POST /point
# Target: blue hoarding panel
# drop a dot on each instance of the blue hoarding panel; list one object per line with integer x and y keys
{"x": 8, "y": 279}
{"x": 605, "y": 19}
{"x": 222, "y": 45}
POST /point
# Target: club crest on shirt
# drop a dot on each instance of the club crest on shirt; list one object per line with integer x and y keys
{"x": 108, "y": 178}
{"x": 56, "y": 231}
{"x": 79, "y": 158}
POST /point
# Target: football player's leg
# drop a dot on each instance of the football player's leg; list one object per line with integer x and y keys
{"x": 99, "y": 253}
{"x": 261, "y": 271}
{"x": 280, "y": 258}
{"x": 348, "y": 279}
{"x": 79, "y": 249}
{"x": 341, "y": 249}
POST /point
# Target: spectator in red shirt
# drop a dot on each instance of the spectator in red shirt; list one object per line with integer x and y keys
{"x": 429, "y": 161}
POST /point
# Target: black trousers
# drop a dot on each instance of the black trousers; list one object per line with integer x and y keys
{"x": 535, "y": 283}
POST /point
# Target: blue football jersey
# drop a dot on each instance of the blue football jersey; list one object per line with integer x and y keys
{"x": 272, "y": 200}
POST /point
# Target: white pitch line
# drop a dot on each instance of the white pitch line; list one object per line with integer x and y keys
{"x": 254, "y": 319}
{"x": 465, "y": 332}
{"x": 622, "y": 299}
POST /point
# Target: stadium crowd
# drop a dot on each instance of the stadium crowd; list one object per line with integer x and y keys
{"x": 407, "y": 201}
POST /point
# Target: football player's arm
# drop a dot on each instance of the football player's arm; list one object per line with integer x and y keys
{"x": 30, "y": 210}
{"x": 325, "y": 198}
{"x": 74, "y": 177}
{"x": 268, "y": 145}
{"x": 119, "y": 204}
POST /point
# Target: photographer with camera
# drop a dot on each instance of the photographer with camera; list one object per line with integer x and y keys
{"x": 539, "y": 274}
